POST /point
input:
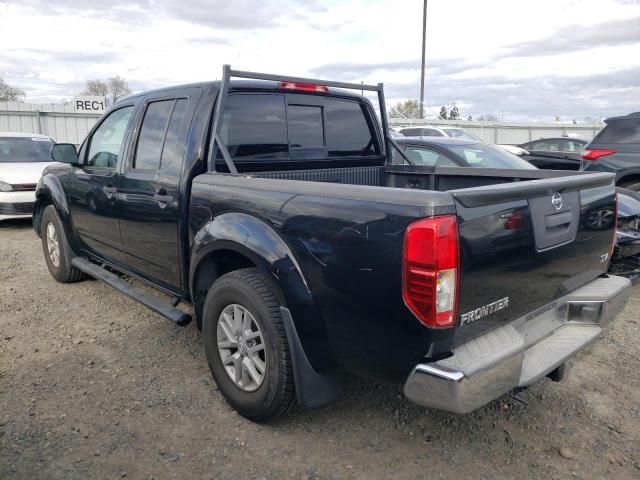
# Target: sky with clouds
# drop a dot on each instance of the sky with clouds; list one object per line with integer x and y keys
{"x": 523, "y": 60}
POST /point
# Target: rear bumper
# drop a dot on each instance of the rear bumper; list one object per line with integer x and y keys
{"x": 520, "y": 353}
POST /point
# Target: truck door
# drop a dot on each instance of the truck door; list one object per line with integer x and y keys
{"x": 92, "y": 186}
{"x": 149, "y": 188}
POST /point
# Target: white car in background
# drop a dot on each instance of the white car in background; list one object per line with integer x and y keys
{"x": 453, "y": 132}
{"x": 23, "y": 157}
{"x": 515, "y": 150}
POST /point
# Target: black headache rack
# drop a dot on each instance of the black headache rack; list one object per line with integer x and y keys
{"x": 228, "y": 73}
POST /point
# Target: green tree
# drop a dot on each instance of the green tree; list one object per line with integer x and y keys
{"x": 443, "y": 113}
{"x": 9, "y": 93}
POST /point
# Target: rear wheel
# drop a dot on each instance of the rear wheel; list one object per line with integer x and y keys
{"x": 56, "y": 249}
{"x": 246, "y": 345}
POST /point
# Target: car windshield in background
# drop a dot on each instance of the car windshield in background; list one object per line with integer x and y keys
{"x": 25, "y": 149}
{"x": 461, "y": 133}
{"x": 487, "y": 156}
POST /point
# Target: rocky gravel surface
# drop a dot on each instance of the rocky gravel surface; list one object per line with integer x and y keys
{"x": 93, "y": 385}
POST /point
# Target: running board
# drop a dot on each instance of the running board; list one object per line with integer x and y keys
{"x": 151, "y": 301}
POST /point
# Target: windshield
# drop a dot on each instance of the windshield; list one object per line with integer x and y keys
{"x": 461, "y": 133}
{"x": 488, "y": 156}
{"x": 25, "y": 149}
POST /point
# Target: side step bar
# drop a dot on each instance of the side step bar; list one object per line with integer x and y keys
{"x": 154, "y": 303}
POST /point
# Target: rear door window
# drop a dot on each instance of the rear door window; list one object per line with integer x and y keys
{"x": 620, "y": 131}
{"x": 152, "y": 132}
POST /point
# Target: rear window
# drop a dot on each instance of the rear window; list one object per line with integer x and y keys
{"x": 254, "y": 127}
{"x": 25, "y": 149}
{"x": 263, "y": 127}
{"x": 487, "y": 156}
{"x": 348, "y": 134}
{"x": 620, "y": 131}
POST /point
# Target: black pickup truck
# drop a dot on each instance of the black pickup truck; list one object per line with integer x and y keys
{"x": 274, "y": 207}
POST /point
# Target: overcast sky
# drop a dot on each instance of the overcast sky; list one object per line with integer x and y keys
{"x": 522, "y": 59}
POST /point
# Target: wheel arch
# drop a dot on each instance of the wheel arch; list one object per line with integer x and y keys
{"x": 51, "y": 192}
{"x": 232, "y": 241}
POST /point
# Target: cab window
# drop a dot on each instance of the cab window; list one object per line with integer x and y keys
{"x": 107, "y": 140}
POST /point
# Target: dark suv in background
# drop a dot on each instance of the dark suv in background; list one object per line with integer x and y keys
{"x": 617, "y": 149}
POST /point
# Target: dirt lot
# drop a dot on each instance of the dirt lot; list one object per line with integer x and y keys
{"x": 93, "y": 385}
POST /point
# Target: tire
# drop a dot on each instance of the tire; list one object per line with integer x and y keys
{"x": 253, "y": 291}
{"x": 58, "y": 262}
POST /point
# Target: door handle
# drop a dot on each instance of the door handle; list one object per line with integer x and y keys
{"x": 163, "y": 198}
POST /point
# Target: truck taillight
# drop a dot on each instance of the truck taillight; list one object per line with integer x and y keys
{"x": 431, "y": 269}
{"x": 595, "y": 153}
{"x": 305, "y": 87}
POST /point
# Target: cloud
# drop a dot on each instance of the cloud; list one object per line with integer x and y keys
{"x": 572, "y": 97}
{"x": 575, "y": 38}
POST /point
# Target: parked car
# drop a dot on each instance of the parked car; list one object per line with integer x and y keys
{"x": 513, "y": 149}
{"x": 23, "y": 157}
{"x": 455, "y": 132}
{"x": 306, "y": 253}
{"x": 560, "y": 153}
{"x": 616, "y": 148}
{"x": 456, "y": 152}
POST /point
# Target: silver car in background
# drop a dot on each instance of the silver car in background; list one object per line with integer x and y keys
{"x": 23, "y": 157}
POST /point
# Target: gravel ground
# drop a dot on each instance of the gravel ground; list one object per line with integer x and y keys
{"x": 93, "y": 385}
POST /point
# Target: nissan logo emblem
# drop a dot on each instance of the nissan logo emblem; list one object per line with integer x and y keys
{"x": 556, "y": 201}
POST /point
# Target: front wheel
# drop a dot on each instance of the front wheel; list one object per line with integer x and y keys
{"x": 56, "y": 249}
{"x": 246, "y": 345}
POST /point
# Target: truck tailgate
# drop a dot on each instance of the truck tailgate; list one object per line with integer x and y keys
{"x": 524, "y": 244}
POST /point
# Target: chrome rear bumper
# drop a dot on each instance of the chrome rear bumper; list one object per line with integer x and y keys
{"x": 519, "y": 353}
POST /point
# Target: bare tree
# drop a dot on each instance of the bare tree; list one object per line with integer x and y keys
{"x": 406, "y": 109}
{"x": 9, "y": 93}
{"x": 96, "y": 87}
{"x": 443, "y": 113}
{"x": 454, "y": 114}
{"x": 114, "y": 88}
{"x": 118, "y": 88}
{"x": 488, "y": 118}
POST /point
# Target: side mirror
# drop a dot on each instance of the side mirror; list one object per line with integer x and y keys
{"x": 65, "y": 153}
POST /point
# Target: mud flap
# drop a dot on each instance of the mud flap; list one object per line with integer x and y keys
{"x": 313, "y": 388}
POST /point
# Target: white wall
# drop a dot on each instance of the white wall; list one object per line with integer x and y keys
{"x": 508, "y": 133}
{"x": 57, "y": 121}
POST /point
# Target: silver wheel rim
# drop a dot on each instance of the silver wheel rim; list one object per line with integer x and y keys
{"x": 241, "y": 347}
{"x": 53, "y": 246}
